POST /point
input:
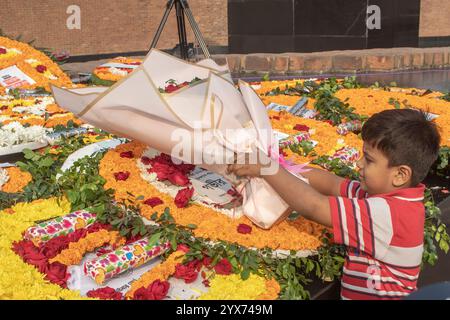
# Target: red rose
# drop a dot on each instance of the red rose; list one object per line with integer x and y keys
{"x": 162, "y": 170}
{"x": 171, "y": 88}
{"x": 121, "y": 176}
{"x": 195, "y": 264}
{"x": 153, "y": 202}
{"x": 127, "y": 154}
{"x": 207, "y": 261}
{"x": 159, "y": 289}
{"x": 146, "y": 160}
{"x": 183, "y": 247}
{"x": 178, "y": 178}
{"x": 244, "y": 228}
{"x": 106, "y": 293}
{"x": 301, "y": 127}
{"x": 57, "y": 273}
{"x": 186, "y": 272}
{"x": 185, "y": 168}
{"x": 183, "y": 196}
{"x": 2, "y": 51}
{"x": 224, "y": 267}
{"x": 41, "y": 69}
{"x": 156, "y": 291}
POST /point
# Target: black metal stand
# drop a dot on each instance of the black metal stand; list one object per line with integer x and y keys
{"x": 182, "y": 10}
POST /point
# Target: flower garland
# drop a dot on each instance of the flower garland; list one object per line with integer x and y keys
{"x": 299, "y": 234}
{"x": 76, "y": 251}
{"x": 19, "y": 280}
{"x": 18, "y": 180}
{"x": 39, "y": 67}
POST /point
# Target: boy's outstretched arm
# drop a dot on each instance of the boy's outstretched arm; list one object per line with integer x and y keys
{"x": 323, "y": 181}
{"x": 298, "y": 195}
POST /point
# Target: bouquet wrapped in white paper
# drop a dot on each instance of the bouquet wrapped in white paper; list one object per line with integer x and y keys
{"x": 209, "y": 116}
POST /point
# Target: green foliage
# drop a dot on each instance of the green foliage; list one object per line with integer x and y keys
{"x": 441, "y": 166}
{"x": 446, "y": 97}
{"x": 435, "y": 233}
{"x": 337, "y": 167}
{"x": 303, "y": 148}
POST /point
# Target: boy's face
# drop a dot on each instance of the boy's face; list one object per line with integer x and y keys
{"x": 376, "y": 176}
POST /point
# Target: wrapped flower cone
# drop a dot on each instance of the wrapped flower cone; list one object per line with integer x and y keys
{"x": 205, "y": 123}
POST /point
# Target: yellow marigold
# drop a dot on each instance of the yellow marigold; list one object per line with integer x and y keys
{"x": 18, "y": 180}
{"x": 161, "y": 272}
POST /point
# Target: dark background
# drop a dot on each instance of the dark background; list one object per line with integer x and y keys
{"x": 277, "y": 26}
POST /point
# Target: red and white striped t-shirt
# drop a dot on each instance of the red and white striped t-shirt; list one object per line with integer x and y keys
{"x": 384, "y": 237}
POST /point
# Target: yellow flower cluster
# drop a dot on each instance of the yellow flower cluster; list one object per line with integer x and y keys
{"x": 76, "y": 250}
{"x": 300, "y": 234}
{"x": 18, "y": 180}
{"x": 19, "y": 280}
{"x": 232, "y": 287}
{"x": 18, "y": 53}
{"x": 161, "y": 272}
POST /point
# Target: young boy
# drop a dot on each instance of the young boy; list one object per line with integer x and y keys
{"x": 380, "y": 219}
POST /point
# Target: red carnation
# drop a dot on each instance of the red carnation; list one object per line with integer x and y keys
{"x": 224, "y": 267}
{"x": 153, "y": 202}
{"x": 127, "y": 154}
{"x": 106, "y": 293}
{"x": 301, "y": 127}
{"x": 41, "y": 69}
{"x": 186, "y": 272}
{"x": 57, "y": 273}
{"x": 183, "y": 197}
{"x": 244, "y": 228}
{"x": 121, "y": 176}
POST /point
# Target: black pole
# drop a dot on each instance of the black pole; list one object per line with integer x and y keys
{"x": 182, "y": 37}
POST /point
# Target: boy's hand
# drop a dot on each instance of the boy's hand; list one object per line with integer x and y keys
{"x": 245, "y": 170}
{"x": 245, "y": 166}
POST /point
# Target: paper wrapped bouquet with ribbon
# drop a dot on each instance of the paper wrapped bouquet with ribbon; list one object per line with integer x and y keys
{"x": 226, "y": 118}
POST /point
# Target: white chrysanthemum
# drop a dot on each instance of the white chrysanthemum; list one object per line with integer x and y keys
{"x": 4, "y": 177}
{"x": 117, "y": 71}
{"x": 14, "y": 133}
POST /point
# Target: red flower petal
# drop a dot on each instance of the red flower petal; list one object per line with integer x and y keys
{"x": 153, "y": 202}
{"x": 244, "y": 228}
{"x": 127, "y": 154}
{"x": 301, "y": 127}
{"x": 121, "y": 176}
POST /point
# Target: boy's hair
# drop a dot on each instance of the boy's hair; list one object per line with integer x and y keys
{"x": 406, "y": 137}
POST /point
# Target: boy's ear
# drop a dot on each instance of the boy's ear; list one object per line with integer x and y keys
{"x": 402, "y": 176}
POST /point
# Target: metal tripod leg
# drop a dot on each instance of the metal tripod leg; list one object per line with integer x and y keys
{"x": 169, "y": 7}
{"x": 182, "y": 37}
{"x": 195, "y": 28}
